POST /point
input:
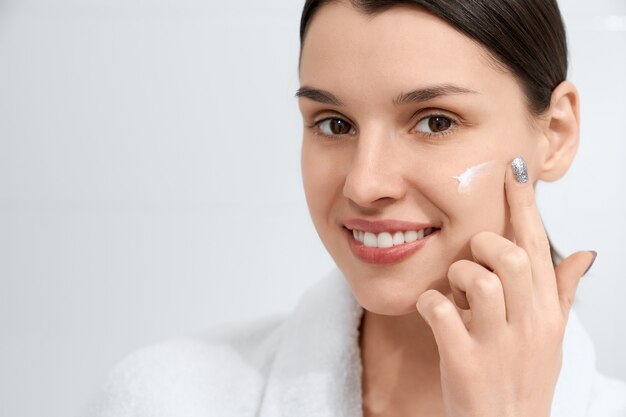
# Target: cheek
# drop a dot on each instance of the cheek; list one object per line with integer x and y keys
{"x": 469, "y": 196}
{"x": 482, "y": 205}
{"x": 322, "y": 178}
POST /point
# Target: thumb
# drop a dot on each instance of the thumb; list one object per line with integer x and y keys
{"x": 568, "y": 274}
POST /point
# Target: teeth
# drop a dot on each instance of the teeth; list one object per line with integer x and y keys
{"x": 410, "y": 236}
{"x": 398, "y": 238}
{"x": 387, "y": 240}
{"x": 370, "y": 240}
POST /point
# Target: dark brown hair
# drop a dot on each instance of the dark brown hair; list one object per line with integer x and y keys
{"x": 526, "y": 37}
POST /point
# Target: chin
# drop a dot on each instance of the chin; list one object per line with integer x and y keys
{"x": 391, "y": 294}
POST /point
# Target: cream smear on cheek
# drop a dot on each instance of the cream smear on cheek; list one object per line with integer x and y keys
{"x": 467, "y": 177}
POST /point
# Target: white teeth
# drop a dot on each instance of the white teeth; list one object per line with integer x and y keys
{"x": 370, "y": 240}
{"x": 411, "y": 236}
{"x": 398, "y": 238}
{"x": 387, "y": 240}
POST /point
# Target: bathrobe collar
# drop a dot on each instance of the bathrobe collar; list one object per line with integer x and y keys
{"x": 317, "y": 368}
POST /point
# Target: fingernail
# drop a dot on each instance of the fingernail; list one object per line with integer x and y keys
{"x": 520, "y": 170}
{"x": 595, "y": 255}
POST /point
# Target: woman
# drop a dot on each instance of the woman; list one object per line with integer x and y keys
{"x": 427, "y": 124}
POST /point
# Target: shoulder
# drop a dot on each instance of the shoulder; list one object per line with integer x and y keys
{"x": 221, "y": 372}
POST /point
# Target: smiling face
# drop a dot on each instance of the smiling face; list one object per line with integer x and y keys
{"x": 405, "y": 119}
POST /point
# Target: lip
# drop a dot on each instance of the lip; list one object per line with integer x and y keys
{"x": 384, "y": 256}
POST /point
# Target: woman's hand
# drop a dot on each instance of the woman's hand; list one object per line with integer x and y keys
{"x": 506, "y": 361}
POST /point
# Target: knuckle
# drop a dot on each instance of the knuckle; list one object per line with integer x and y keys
{"x": 479, "y": 238}
{"x": 540, "y": 244}
{"x": 457, "y": 268}
{"x": 440, "y": 311}
{"x": 487, "y": 286}
{"x": 514, "y": 259}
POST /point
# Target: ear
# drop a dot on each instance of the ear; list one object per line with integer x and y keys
{"x": 561, "y": 130}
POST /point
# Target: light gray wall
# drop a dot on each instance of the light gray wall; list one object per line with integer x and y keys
{"x": 150, "y": 184}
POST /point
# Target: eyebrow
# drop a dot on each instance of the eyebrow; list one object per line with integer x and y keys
{"x": 318, "y": 95}
{"x": 424, "y": 94}
{"x": 415, "y": 96}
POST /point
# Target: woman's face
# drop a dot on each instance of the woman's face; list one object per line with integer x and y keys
{"x": 405, "y": 119}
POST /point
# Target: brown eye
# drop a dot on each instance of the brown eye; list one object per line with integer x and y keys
{"x": 439, "y": 123}
{"x": 434, "y": 124}
{"x": 335, "y": 127}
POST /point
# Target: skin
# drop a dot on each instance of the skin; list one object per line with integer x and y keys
{"x": 472, "y": 323}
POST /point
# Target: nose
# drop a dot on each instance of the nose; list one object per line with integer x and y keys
{"x": 374, "y": 179}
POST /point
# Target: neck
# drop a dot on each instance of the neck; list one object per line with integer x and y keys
{"x": 400, "y": 365}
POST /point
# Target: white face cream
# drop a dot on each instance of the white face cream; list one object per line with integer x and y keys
{"x": 466, "y": 178}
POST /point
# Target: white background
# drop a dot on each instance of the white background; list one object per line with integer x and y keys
{"x": 150, "y": 183}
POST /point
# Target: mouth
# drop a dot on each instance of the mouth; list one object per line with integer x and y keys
{"x": 389, "y": 239}
{"x": 387, "y": 247}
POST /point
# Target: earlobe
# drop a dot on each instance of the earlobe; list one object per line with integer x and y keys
{"x": 562, "y": 129}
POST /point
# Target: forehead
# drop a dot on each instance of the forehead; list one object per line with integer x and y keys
{"x": 397, "y": 48}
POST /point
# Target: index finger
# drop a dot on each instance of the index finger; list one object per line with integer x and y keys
{"x": 528, "y": 228}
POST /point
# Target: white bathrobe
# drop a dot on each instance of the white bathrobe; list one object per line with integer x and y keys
{"x": 304, "y": 365}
